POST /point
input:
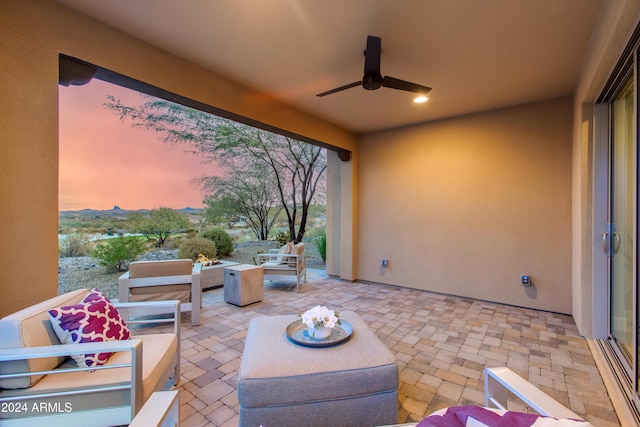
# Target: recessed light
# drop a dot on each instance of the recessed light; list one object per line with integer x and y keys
{"x": 420, "y": 99}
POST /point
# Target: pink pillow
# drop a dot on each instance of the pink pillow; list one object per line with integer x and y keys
{"x": 92, "y": 321}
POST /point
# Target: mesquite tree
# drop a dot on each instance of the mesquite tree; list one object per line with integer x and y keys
{"x": 296, "y": 168}
{"x": 159, "y": 224}
{"x": 251, "y": 190}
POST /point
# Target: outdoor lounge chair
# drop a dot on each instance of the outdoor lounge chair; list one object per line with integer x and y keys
{"x": 499, "y": 383}
{"x": 161, "y": 410}
{"x": 41, "y": 385}
{"x": 164, "y": 280}
{"x": 284, "y": 263}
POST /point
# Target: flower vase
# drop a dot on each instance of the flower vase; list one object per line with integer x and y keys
{"x": 320, "y": 333}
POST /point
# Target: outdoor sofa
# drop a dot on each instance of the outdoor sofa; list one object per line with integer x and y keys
{"x": 40, "y": 383}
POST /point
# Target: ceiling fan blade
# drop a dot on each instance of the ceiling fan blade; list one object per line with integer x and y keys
{"x": 372, "y": 56}
{"x": 341, "y": 88}
{"x": 394, "y": 83}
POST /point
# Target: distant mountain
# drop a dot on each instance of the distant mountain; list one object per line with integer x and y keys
{"x": 117, "y": 211}
{"x": 191, "y": 210}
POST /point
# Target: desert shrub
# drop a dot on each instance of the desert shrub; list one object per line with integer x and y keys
{"x": 282, "y": 238}
{"x": 191, "y": 248}
{"x": 224, "y": 243}
{"x": 175, "y": 241}
{"x": 73, "y": 245}
{"x": 319, "y": 240}
{"x": 116, "y": 253}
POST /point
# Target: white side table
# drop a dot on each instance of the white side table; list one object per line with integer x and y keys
{"x": 243, "y": 284}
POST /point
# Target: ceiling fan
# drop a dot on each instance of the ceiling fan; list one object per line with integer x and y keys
{"x": 372, "y": 78}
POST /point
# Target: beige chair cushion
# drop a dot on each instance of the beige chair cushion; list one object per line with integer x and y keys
{"x": 157, "y": 353}
{"x": 285, "y": 249}
{"x": 143, "y": 269}
{"x": 169, "y": 292}
{"x": 177, "y": 267}
{"x": 31, "y": 327}
{"x": 296, "y": 249}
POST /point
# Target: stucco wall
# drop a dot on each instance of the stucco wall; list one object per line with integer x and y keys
{"x": 32, "y": 34}
{"x": 466, "y": 206}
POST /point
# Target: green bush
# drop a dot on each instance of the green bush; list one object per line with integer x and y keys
{"x": 320, "y": 242}
{"x": 73, "y": 245}
{"x": 117, "y": 252}
{"x": 174, "y": 242}
{"x": 191, "y": 248}
{"x": 282, "y": 238}
{"x": 222, "y": 240}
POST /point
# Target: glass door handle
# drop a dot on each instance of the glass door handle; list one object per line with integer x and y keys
{"x": 605, "y": 243}
{"x": 616, "y": 243}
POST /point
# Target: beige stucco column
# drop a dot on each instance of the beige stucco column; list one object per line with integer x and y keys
{"x": 333, "y": 214}
{"x": 341, "y": 217}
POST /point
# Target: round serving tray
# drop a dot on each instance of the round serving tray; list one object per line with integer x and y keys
{"x": 297, "y": 334}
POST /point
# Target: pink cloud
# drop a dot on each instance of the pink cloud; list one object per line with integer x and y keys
{"x": 105, "y": 162}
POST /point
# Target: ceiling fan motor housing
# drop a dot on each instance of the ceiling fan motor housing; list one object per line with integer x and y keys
{"x": 371, "y": 82}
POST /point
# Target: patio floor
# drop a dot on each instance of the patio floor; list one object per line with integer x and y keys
{"x": 441, "y": 343}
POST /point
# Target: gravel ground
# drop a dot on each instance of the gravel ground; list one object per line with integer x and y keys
{"x": 86, "y": 272}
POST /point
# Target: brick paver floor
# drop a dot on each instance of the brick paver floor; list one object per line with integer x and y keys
{"x": 442, "y": 344}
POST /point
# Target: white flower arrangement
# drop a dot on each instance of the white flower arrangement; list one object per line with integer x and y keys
{"x": 319, "y": 316}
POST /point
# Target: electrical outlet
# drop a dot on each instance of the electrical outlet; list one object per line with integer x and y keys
{"x": 525, "y": 280}
{"x": 385, "y": 262}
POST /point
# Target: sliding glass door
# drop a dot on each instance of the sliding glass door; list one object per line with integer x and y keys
{"x": 616, "y": 219}
{"x": 620, "y": 236}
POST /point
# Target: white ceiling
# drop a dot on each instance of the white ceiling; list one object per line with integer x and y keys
{"x": 477, "y": 55}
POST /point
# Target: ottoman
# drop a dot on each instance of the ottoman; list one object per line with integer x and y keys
{"x": 283, "y": 384}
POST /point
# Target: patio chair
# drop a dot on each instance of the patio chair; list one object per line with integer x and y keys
{"x": 284, "y": 263}
{"x": 499, "y": 384}
{"x": 162, "y": 409}
{"x": 164, "y": 280}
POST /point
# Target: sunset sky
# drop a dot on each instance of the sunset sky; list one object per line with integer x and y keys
{"x": 106, "y": 162}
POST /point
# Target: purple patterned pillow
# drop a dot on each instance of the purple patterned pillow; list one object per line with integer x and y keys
{"x": 477, "y": 416}
{"x": 92, "y": 321}
{"x": 96, "y": 294}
